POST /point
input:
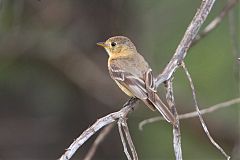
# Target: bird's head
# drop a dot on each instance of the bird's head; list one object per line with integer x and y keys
{"x": 118, "y": 45}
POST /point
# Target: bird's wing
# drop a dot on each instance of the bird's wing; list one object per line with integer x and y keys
{"x": 144, "y": 89}
{"x": 133, "y": 83}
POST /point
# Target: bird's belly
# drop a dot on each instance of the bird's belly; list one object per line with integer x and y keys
{"x": 125, "y": 90}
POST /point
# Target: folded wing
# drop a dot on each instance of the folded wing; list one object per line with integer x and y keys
{"x": 144, "y": 89}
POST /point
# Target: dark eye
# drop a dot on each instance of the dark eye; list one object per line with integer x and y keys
{"x": 113, "y": 44}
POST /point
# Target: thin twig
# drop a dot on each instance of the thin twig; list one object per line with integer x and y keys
{"x": 97, "y": 141}
{"x": 216, "y": 21}
{"x": 192, "y": 114}
{"x": 129, "y": 139}
{"x": 199, "y": 114}
{"x": 176, "y": 129}
{"x": 123, "y": 140}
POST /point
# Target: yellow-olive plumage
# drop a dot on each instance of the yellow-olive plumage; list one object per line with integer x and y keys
{"x": 133, "y": 75}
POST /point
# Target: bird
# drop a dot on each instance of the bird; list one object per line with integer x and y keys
{"x": 131, "y": 72}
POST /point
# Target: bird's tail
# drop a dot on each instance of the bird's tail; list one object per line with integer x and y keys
{"x": 157, "y": 103}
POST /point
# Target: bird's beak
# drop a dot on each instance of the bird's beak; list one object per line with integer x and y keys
{"x": 102, "y": 44}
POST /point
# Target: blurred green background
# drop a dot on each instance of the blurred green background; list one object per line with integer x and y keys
{"x": 54, "y": 81}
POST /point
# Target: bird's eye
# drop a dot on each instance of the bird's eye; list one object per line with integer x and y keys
{"x": 113, "y": 44}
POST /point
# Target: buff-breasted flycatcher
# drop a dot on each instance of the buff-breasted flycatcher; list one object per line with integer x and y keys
{"x": 133, "y": 75}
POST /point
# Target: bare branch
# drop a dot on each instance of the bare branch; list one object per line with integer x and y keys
{"x": 199, "y": 114}
{"x": 112, "y": 117}
{"x": 176, "y": 129}
{"x": 186, "y": 41}
{"x": 97, "y": 141}
{"x": 192, "y": 114}
{"x": 216, "y": 21}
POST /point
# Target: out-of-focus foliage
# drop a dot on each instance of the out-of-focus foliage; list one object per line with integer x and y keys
{"x": 54, "y": 81}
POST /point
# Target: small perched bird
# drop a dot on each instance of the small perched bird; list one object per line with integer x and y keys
{"x": 133, "y": 75}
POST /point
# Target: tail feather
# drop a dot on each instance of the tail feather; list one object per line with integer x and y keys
{"x": 161, "y": 107}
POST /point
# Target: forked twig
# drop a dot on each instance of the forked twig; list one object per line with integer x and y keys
{"x": 200, "y": 116}
{"x": 192, "y": 114}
